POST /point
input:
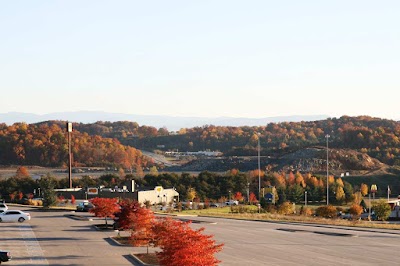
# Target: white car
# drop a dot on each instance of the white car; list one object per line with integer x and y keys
{"x": 3, "y": 206}
{"x": 14, "y": 216}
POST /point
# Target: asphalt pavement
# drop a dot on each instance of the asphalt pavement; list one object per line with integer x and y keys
{"x": 51, "y": 238}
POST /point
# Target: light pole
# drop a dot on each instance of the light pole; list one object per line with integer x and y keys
{"x": 69, "y": 130}
{"x": 248, "y": 192}
{"x": 305, "y": 198}
{"x": 327, "y": 169}
{"x": 259, "y": 168}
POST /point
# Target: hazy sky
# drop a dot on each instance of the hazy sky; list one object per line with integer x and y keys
{"x": 201, "y": 58}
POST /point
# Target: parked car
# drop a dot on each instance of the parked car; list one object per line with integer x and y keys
{"x": 14, "y": 216}
{"x": 365, "y": 216}
{"x": 3, "y": 206}
{"x": 107, "y": 189}
{"x": 4, "y": 256}
{"x": 84, "y": 206}
{"x": 232, "y": 202}
{"x": 214, "y": 205}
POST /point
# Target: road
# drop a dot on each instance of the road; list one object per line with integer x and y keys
{"x": 51, "y": 238}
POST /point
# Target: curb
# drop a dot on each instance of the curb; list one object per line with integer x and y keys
{"x": 117, "y": 242}
{"x": 139, "y": 262}
{"x": 103, "y": 230}
{"x": 342, "y": 227}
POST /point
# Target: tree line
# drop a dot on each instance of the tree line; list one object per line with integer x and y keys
{"x": 46, "y": 144}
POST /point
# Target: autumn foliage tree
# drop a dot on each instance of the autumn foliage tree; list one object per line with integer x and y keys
{"x": 355, "y": 210}
{"x": 22, "y": 172}
{"x": 104, "y": 207}
{"x": 364, "y": 189}
{"x": 183, "y": 246}
{"x": 126, "y": 217}
{"x": 238, "y": 196}
{"x": 73, "y": 200}
{"x": 252, "y": 198}
{"x": 142, "y": 221}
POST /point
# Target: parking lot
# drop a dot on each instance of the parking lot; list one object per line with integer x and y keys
{"x": 50, "y": 238}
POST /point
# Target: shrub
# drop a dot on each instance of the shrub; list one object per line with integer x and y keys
{"x": 382, "y": 209}
{"x": 286, "y": 208}
{"x": 270, "y": 208}
{"x": 355, "y": 210}
{"x": 326, "y": 211}
{"x": 306, "y": 211}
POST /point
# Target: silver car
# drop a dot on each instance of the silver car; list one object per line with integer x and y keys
{"x": 3, "y": 206}
{"x": 14, "y": 216}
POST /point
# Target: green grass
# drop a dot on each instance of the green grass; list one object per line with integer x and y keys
{"x": 224, "y": 212}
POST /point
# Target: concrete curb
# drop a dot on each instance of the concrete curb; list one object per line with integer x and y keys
{"x": 100, "y": 229}
{"x": 139, "y": 262}
{"x": 342, "y": 227}
{"x": 118, "y": 243}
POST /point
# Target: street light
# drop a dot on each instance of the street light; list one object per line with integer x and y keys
{"x": 305, "y": 198}
{"x": 248, "y": 192}
{"x": 259, "y": 174}
{"x": 327, "y": 169}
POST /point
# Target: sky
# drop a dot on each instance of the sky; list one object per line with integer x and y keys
{"x": 201, "y": 58}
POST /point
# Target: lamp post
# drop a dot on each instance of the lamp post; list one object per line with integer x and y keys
{"x": 248, "y": 192}
{"x": 373, "y": 190}
{"x": 305, "y": 198}
{"x": 327, "y": 169}
{"x": 259, "y": 168}
{"x": 69, "y": 130}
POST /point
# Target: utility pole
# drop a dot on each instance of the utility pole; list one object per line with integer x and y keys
{"x": 259, "y": 168}
{"x": 69, "y": 130}
{"x": 327, "y": 169}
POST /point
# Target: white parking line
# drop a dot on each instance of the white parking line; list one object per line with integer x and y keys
{"x": 34, "y": 252}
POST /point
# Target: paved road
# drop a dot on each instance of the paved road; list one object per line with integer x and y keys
{"x": 50, "y": 238}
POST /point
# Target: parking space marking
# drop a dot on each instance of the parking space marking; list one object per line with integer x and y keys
{"x": 33, "y": 249}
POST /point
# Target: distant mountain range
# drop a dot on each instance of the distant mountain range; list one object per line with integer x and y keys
{"x": 171, "y": 122}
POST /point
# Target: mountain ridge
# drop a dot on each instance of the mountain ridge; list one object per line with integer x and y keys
{"x": 172, "y": 123}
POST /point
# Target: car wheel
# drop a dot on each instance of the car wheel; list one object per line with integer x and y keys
{"x": 1, "y": 220}
{"x": 21, "y": 220}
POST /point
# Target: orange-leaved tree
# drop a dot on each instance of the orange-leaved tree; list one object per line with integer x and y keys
{"x": 104, "y": 207}
{"x": 126, "y": 216}
{"x": 142, "y": 222}
{"x": 238, "y": 196}
{"x": 184, "y": 246}
{"x": 73, "y": 200}
{"x": 252, "y": 198}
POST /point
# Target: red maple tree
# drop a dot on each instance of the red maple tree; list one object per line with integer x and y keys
{"x": 184, "y": 246}
{"x": 238, "y": 196}
{"x": 142, "y": 222}
{"x": 126, "y": 215}
{"x": 20, "y": 195}
{"x": 252, "y": 198}
{"x": 104, "y": 207}
{"x": 73, "y": 200}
